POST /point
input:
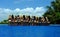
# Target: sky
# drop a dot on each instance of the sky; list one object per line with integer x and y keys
{"x": 23, "y": 7}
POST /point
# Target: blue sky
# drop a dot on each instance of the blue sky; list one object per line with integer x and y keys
{"x": 23, "y": 7}
{"x": 23, "y": 3}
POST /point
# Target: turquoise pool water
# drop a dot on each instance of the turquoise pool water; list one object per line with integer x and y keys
{"x": 29, "y": 31}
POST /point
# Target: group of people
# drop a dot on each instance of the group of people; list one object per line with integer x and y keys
{"x": 27, "y": 19}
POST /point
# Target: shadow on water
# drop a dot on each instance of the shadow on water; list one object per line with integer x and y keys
{"x": 29, "y": 24}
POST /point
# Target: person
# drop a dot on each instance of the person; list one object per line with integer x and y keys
{"x": 47, "y": 20}
{"x": 9, "y": 19}
{"x": 42, "y": 19}
{"x": 23, "y": 17}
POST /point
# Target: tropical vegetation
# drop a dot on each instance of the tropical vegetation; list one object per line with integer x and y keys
{"x": 53, "y": 12}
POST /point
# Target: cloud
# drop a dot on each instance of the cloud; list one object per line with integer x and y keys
{"x": 38, "y": 11}
{"x": 18, "y": 1}
{"x": 24, "y": 0}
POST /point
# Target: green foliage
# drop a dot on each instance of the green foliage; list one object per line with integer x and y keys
{"x": 4, "y": 22}
{"x": 53, "y": 12}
